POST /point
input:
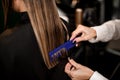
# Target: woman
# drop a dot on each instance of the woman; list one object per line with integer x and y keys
{"x": 24, "y": 49}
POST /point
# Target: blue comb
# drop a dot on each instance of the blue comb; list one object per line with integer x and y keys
{"x": 56, "y": 53}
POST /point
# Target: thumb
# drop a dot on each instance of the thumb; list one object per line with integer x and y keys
{"x": 73, "y": 63}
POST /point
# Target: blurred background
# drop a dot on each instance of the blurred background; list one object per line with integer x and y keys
{"x": 103, "y": 57}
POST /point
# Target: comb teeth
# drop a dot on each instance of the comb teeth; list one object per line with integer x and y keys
{"x": 61, "y": 50}
{"x": 61, "y": 53}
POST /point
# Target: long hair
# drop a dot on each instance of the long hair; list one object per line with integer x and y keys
{"x": 46, "y": 24}
{"x": 11, "y": 17}
{"x": 6, "y": 6}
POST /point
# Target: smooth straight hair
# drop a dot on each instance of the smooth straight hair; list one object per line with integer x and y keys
{"x": 46, "y": 24}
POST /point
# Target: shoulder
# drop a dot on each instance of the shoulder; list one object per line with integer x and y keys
{"x": 15, "y": 35}
{"x": 7, "y": 33}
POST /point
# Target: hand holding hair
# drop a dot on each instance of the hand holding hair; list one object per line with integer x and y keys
{"x": 77, "y": 71}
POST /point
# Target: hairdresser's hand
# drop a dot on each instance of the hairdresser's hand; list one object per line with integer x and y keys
{"x": 77, "y": 71}
{"x": 87, "y": 33}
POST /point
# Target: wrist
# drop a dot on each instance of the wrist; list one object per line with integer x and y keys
{"x": 94, "y": 32}
{"x": 91, "y": 73}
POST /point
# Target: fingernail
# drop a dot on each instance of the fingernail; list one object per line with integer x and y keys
{"x": 76, "y": 45}
{"x": 69, "y": 58}
{"x": 74, "y": 41}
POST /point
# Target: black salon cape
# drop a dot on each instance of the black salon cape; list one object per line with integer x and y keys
{"x": 20, "y": 57}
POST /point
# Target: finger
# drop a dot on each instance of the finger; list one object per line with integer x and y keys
{"x": 73, "y": 68}
{"x": 77, "y": 45}
{"x": 72, "y": 62}
{"x": 74, "y": 34}
{"x": 77, "y": 40}
{"x": 75, "y": 64}
{"x": 68, "y": 67}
